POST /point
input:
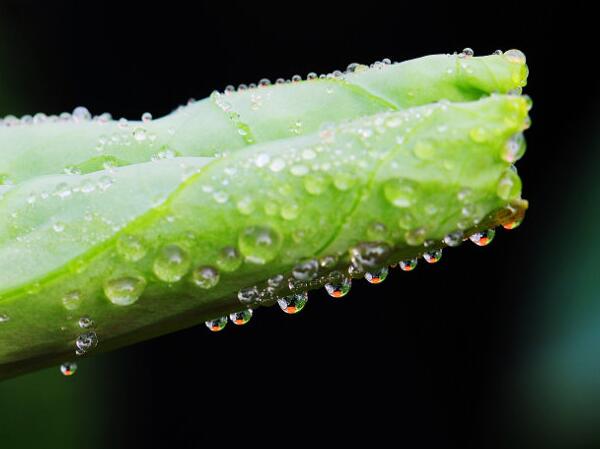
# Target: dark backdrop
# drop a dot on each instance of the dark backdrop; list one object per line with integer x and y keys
{"x": 433, "y": 358}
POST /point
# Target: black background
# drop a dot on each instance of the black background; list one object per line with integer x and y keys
{"x": 423, "y": 360}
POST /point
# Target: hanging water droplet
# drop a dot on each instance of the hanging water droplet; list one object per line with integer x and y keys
{"x": 139, "y": 134}
{"x": 248, "y": 295}
{"x": 240, "y": 318}
{"x": 229, "y": 259}
{"x": 509, "y": 186}
{"x": 454, "y": 238}
{"x": 514, "y": 149}
{"x": 171, "y": 264}
{"x": 68, "y": 368}
{"x": 205, "y": 277}
{"x": 378, "y": 276}
{"x": 409, "y": 264}
{"x": 512, "y": 225}
{"x": 293, "y": 303}
{"x": 259, "y": 244}
{"x": 306, "y": 271}
{"x": 130, "y": 247}
{"x": 124, "y": 291}
{"x": 339, "y": 289}
{"x": 483, "y": 238}
{"x": 85, "y": 322}
{"x": 146, "y": 117}
{"x": 433, "y": 256}
{"x": 217, "y": 325}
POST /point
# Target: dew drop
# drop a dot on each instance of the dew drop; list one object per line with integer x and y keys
{"x": 229, "y": 259}
{"x": 4, "y": 318}
{"x": 433, "y": 256}
{"x": 81, "y": 113}
{"x": 294, "y": 303}
{"x": 509, "y": 186}
{"x": 399, "y": 193}
{"x": 338, "y": 289}
{"x": 248, "y": 295}
{"x": 146, "y": 117}
{"x": 306, "y": 271}
{"x": 512, "y": 225}
{"x": 466, "y": 53}
{"x": 515, "y": 56}
{"x": 72, "y": 300}
{"x": 315, "y": 183}
{"x": 376, "y": 231}
{"x": 514, "y": 149}
{"x": 139, "y": 134}
{"x": 408, "y": 265}
{"x": 245, "y": 206}
{"x": 277, "y": 165}
{"x": 217, "y": 325}
{"x": 259, "y": 244}
{"x": 377, "y": 276}
{"x": 87, "y": 341}
{"x": 275, "y": 281}
{"x": 240, "y": 318}
{"x": 415, "y": 237}
{"x": 130, "y": 247}
{"x": 483, "y": 238}
{"x": 171, "y": 264}
{"x": 85, "y": 322}
{"x": 289, "y": 211}
{"x": 124, "y": 291}
{"x": 205, "y": 277}
{"x": 454, "y": 238}
{"x": 68, "y": 368}
{"x": 369, "y": 255}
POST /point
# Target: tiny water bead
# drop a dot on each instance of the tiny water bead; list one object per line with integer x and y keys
{"x": 408, "y": 265}
{"x": 71, "y": 300}
{"x": 377, "y": 277}
{"x": 229, "y": 259}
{"x": 339, "y": 289}
{"x": 146, "y": 117}
{"x": 294, "y": 303}
{"x": 171, "y": 264}
{"x": 454, "y": 238}
{"x": 248, "y": 295}
{"x": 68, "y": 368}
{"x": 139, "y": 134}
{"x": 512, "y": 225}
{"x": 240, "y": 318}
{"x": 217, "y": 325}
{"x": 432, "y": 256}
{"x": 483, "y": 238}
{"x": 85, "y": 322}
{"x": 306, "y": 271}
{"x": 125, "y": 290}
{"x": 86, "y": 341}
{"x": 259, "y": 244}
{"x": 205, "y": 277}
{"x": 130, "y": 247}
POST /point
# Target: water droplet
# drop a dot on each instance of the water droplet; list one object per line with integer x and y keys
{"x": 205, "y": 277}
{"x": 515, "y": 56}
{"x": 85, "y": 322}
{"x": 433, "y": 256}
{"x": 315, "y": 183}
{"x": 498, "y": 52}
{"x": 245, "y": 206}
{"x": 424, "y": 150}
{"x": 262, "y": 160}
{"x": 146, "y": 117}
{"x": 171, "y": 264}
{"x": 376, "y": 231}
{"x": 483, "y": 238}
{"x": 217, "y": 325}
{"x": 399, "y": 193}
{"x": 306, "y": 271}
{"x": 277, "y": 165}
{"x": 514, "y": 149}
{"x": 509, "y": 186}
{"x": 68, "y": 368}
{"x": 229, "y": 259}
{"x": 139, "y": 134}
{"x": 299, "y": 170}
{"x": 72, "y": 300}
{"x": 293, "y": 303}
{"x": 259, "y": 244}
{"x": 4, "y": 318}
{"x": 378, "y": 276}
{"x": 369, "y": 254}
{"x": 130, "y": 247}
{"x": 240, "y": 318}
{"x": 454, "y": 238}
{"x": 409, "y": 264}
{"x": 81, "y": 113}
{"x": 339, "y": 289}
{"x": 87, "y": 341}
{"x": 248, "y": 295}
{"x": 289, "y": 211}
{"x": 124, "y": 291}
{"x": 466, "y": 53}
{"x": 415, "y": 237}
{"x": 58, "y": 226}
{"x": 512, "y": 225}
{"x": 62, "y": 190}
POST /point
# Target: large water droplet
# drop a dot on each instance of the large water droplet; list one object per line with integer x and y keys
{"x": 205, "y": 277}
{"x": 514, "y": 149}
{"x": 409, "y": 264}
{"x": 433, "y": 256}
{"x": 240, "y": 318}
{"x": 293, "y": 303}
{"x": 339, "y": 289}
{"x": 218, "y": 324}
{"x": 515, "y": 56}
{"x": 124, "y": 291}
{"x": 259, "y": 244}
{"x": 377, "y": 276}
{"x": 130, "y": 247}
{"x": 306, "y": 271}
{"x": 483, "y": 238}
{"x": 68, "y": 368}
{"x": 229, "y": 259}
{"x": 171, "y": 264}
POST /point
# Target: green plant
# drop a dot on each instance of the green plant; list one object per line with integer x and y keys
{"x": 252, "y": 197}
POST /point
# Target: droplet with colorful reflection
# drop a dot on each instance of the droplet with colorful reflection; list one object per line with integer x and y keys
{"x": 216, "y": 325}
{"x": 483, "y": 238}
{"x": 408, "y": 265}
{"x": 377, "y": 276}
{"x": 339, "y": 289}
{"x": 433, "y": 256}
{"x": 240, "y": 318}
{"x": 68, "y": 368}
{"x": 512, "y": 225}
{"x": 293, "y": 303}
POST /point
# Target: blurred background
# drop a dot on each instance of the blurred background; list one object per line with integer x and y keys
{"x": 493, "y": 347}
